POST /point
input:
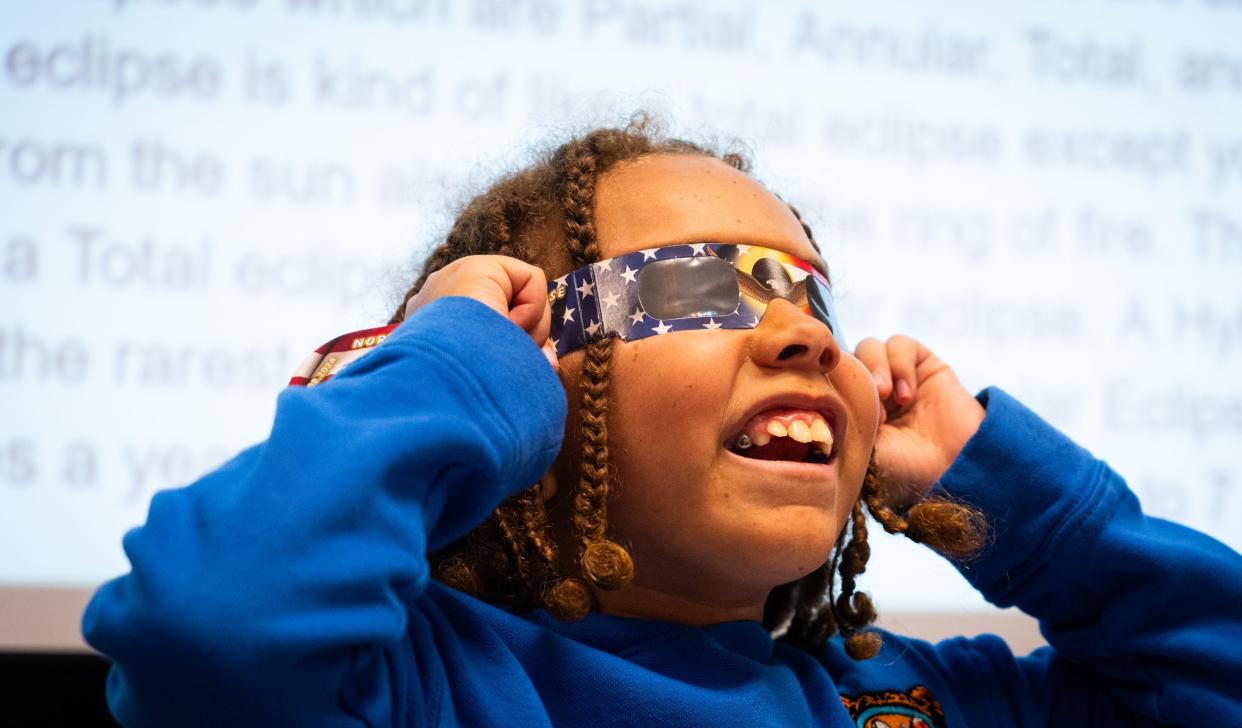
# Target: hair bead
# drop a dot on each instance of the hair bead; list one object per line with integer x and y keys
{"x": 863, "y": 646}
{"x": 607, "y": 565}
{"x": 569, "y": 599}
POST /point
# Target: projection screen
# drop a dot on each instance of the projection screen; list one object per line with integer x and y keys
{"x": 195, "y": 193}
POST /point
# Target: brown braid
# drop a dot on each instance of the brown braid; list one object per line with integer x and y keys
{"x": 949, "y": 528}
{"x": 545, "y": 215}
{"x": 534, "y": 526}
{"x": 853, "y": 610}
{"x": 511, "y": 559}
{"x": 605, "y": 564}
{"x": 507, "y": 527}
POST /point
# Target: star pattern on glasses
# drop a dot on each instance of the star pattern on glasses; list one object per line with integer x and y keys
{"x": 593, "y": 301}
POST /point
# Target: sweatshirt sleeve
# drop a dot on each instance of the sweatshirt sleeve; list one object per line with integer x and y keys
{"x": 1143, "y": 616}
{"x": 275, "y": 589}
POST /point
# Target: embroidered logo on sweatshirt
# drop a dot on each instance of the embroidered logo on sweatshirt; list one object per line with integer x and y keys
{"x": 915, "y": 708}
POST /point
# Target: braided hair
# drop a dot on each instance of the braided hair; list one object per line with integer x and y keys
{"x": 545, "y": 215}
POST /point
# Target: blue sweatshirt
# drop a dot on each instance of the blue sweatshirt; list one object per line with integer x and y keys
{"x": 291, "y": 585}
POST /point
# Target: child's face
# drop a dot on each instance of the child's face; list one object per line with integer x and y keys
{"x": 712, "y": 532}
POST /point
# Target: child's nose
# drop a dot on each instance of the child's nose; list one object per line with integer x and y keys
{"x": 789, "y": 337}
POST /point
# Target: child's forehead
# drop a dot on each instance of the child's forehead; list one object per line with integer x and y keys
{"x": 670, "y": 199}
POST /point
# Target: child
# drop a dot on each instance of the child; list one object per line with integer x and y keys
{"x": 437, "y": 535}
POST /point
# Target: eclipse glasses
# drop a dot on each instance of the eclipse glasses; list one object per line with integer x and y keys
{"x": 689, "y": 287}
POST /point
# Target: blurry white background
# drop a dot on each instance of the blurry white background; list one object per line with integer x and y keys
{"x": 195, "y": 193}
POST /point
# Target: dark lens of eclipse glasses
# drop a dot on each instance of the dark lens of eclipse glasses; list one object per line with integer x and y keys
{"x": 688, "y": 287}
{"x": 697, "y": 287}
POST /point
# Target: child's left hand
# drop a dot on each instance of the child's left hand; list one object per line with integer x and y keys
{"x": 926, "y": 417}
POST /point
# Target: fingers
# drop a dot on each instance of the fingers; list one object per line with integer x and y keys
{"x": 528, "y": 302}
{"x": 894, "y": 366}
{"x": 902, "y": 360}
{"x": 529, "y": 307}
{"x": 513, "y": 288}
{"x": 872, "y": 353}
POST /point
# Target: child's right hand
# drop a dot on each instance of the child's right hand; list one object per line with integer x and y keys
{"x": 513, "y": 288}
{"x": 926, "y": 418}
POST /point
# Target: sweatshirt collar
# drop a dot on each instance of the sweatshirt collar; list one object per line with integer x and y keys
{"x": 615, "y": 634}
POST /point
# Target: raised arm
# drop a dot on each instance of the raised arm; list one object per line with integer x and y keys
{"x": 1144, "y": 616}
{"x": 275, "y": 589}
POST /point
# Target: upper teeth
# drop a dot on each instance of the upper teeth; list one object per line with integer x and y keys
{"x": 802, "y": 427}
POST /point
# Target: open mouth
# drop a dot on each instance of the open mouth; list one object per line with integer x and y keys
{"x": 788, "y": 435}
{"x": 783, "y": 448}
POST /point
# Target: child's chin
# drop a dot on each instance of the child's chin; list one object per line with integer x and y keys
{"x": 790, "y": 558}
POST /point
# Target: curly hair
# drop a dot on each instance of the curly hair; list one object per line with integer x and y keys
{"x": 544, "y": 214}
